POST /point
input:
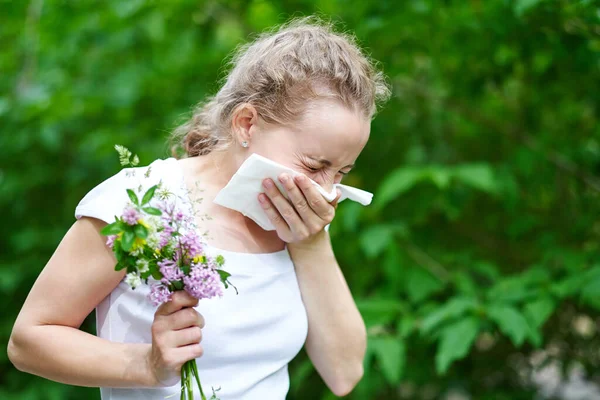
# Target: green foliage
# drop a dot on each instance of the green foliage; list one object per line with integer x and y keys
{"x": 481, "y": 246}
{"x": 152, "y": 210}
{"x": 149, "y": 195}
{"x": 455, "y": 341}
{"x": 133, "y": 197}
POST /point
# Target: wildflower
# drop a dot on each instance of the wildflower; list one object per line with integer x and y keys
{"x": 142, "y": 265}
{"x": 199, "y": 259}
{"x": 110, "y": 241}
{"x": 152, "y": 240}
{"x": 170, "y": 270}
{"x": 131, "y": 215}
{"x": 133, "y": 280}
{"x": 203, "y": 283}
{"x": 159, "y": 294}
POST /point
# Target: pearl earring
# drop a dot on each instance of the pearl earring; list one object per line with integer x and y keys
{"x": 244, "y": 144}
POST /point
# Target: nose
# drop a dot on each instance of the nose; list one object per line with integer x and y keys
{"x": 325, "y": 184}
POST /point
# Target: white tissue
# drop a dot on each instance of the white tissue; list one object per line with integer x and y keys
{"x": 242, "y": 190}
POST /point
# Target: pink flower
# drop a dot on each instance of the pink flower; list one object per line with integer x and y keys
{"x": 203, "y": 283}
{"x": 159, "y": 294}
{"x": 130, "y": 215}
{"x": 170, "y": 270}
{"x": 110, "y": 241}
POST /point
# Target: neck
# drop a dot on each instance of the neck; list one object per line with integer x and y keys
{"x": 210, "y": 173}
{"x": 215, "y": 169}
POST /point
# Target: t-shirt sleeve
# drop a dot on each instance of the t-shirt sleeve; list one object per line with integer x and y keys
{"x": 107, "y": 200}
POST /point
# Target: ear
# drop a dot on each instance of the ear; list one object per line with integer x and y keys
{"x": 243, "y": 119}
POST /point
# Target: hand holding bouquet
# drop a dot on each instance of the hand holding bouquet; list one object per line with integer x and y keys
{"x": 157, "y": 244}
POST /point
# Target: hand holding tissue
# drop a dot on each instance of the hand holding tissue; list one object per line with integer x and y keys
{"x": 241, "y": 192}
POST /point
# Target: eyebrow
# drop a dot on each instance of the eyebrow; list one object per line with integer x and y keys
{"x": 327, "y": 162}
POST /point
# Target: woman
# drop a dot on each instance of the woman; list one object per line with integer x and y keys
{"x": 302, "y": 96}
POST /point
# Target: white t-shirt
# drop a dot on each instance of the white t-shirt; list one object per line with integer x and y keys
{"x": 249, "y": 338}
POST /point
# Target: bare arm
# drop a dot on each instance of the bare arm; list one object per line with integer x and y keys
{"x": 46, "y": 339}
{"x": 336, "y": 341}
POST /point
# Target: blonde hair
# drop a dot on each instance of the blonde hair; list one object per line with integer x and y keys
{"x": 279, "y": 73}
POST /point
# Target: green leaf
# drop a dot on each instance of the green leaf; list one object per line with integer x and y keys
{"x": 375, "y": 239}
{"x": 478, "y": 176}
{"x": 224, "y": 276}
{"x": 156, "y": 274}
{"x": 447, "y": 312}
{"x": 539, "y": 311}
{"x": 379, "y": 311}
{"x": 112, "y": 229}
{"x": 396, "y": 183}
{"x": 119, "y": 266}
{"x": 133, "y": 197}
{"x": 152, "y": 211}
{"x": 177, "y": 285}
{"x": 440, "y": 176}
{"x": 149, "y": 195}
{"x": 406, "y": 325}
{"x": 569, "y": 286}
{"x": 534, "y": 334}
{"x": 127, "y": 240}
{"x": 510, "y": 321}
{"x": 420, "y": 284}
{"x": 390, "y": 353}
{"x": 225, "y": 279}
{"x": 455, "y": 341}
{"x": 141, "y": 231}
{"x": 590, "y": 293}
{"x": 512, "y": 289}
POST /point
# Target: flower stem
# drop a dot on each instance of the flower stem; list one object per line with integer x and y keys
{"x": 197, "y": 376}
{"x": 182, "y": 395}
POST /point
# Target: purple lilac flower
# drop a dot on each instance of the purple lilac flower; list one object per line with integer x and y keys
{"x": 159, "y": 294}
{"x": 191, "y": 244}
{"x": 110, "y": 241}
{"x": 130, "y": 215}
{"x": 203, "y": 283}
{"x": 170, "y": 270}
{"x": 165, "y": 235}
{"x": 180, "y": 216}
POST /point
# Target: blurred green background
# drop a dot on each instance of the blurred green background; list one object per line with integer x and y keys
{"x": 478, "y": 263}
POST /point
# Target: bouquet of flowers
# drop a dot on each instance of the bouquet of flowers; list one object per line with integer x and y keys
{"x": 158, "y": 245}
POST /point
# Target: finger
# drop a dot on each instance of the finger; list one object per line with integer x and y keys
{"x": 186, "y": 336}
{"x": 185, "y": 318}
{"x": 297, "y": 199}
{"x": 315, "y": 199}
{"x": 335, "y": 201}
{"x": 179, "y": 300}
{"x": 182, "y": 354}
{"x": 276, "y": 219}
{"x": 283, "y": 206}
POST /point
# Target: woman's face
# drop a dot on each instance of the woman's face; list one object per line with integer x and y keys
{"x": 323, "y": 144}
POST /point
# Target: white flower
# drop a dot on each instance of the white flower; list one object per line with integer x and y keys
{"x": 137, "y": 251}
{"x": 152, "y": 240}
{"x": 142, "y": 265}
{"x": 133, "y": 280}
{"x": 153, "y": 223}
